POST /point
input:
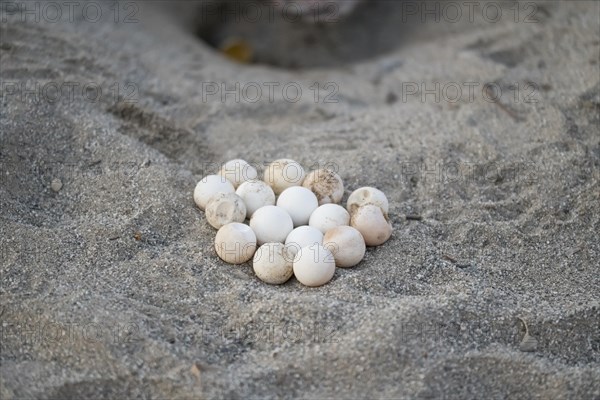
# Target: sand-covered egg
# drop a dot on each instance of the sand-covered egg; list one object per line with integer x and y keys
{"x": 346, "y": 244}
{"x": 256, "y": 194}
{"x": 372, "y": 224}
{"x": 235, "y": 243}
{"x": 367, "y": 195}
{"x": 326, "y": 184}
{"x": 284, "y": 173}
{"x": 272, "y": 263}
{"x": 208, "y": 187}
{"x": 224, "y": 208}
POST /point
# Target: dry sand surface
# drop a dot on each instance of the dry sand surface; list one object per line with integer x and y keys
{"x": 110, "y": 287}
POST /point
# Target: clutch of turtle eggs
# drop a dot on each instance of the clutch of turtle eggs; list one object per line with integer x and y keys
{"x": 296, "y": 225}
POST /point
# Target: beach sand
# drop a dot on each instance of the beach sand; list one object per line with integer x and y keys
{"x": 111, "y": 287}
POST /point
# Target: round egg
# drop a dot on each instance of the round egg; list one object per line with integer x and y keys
{"x": 372, "y": 224}
{"x": 326, "y": 185}
{"x": 256, "y": 194}
{"x": 235, "y": 243}
{"x": 346, "y": 244}
{"x": 367, "y": 195}
{"x": 303, "y": 236}
{"x": 271, "y": 224}
{"x": 282, "y": 174}
{"x": 329, "y": 216}
{"x": 224, "y": 208}
{"x": 208, "y": 187}
{"x": 272, "y": 263}
{"x": 237, "y": 172}
{"x": 299, "y": 202}
{"x": 314, "y": 265}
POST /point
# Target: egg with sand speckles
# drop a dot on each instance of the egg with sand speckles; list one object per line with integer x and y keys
{"x": 272, "y": 263}
{"x": 235, "y": 243}
{"x": 208, "y": 187}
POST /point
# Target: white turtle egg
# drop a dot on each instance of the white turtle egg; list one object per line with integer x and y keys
{"x": 314, "y": 265}
{"x": 238, "y": 171}
{"x": 346, "y": 244}
{"x": 299, "y": 202}
{"x": 329, "y": 216}
{"x": 235, "y": 243}
{"x": 208, "y": 187}
{"x": 367, "y": 195}
{"x": 256, "y": 194}
{"x": 224, "y": 208}
{"x": 282, "y": 174}
{"x": 303, "y": 236}
{"x": 271, "y": 224}
{"x": 272, "y": 263}
{"x": 372, "y": 224}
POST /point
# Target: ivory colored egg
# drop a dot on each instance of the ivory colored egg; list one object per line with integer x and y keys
{"x": 299, "y": 202}
{"x": 282, "y": 174}
{"x": 372, "y": 224}
{"x": 271, "y": 224}
{"x": 235, "y": 243}
{"x": 326, "y": 185}
{"x": 329, "y": 216}
{"x": 367, "y": 195}
{"x": 272, "y": 263}
{"x": 303, "y": 236}
{"x": 208, "y": 187}
{"x": 238, "y": 171}
{"x": 256, "y": 194}
{"x": 346, "y": 244}
{"x": 224, "y": 208}
{"x": 314, "y": 265}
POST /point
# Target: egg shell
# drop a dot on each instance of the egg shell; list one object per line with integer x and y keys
{"x": 284, "y": 173}
{"x": 208, "y": 187}
{"x": 272, "y": 263}
{"x": 235, "y": 243}
{"x": 224, "y": 208}
{"x": 303, "y": 236}
{"x": 329, "y": 216}
{"x": 314, "y": 265}
{"x": 372, "y": 224}
{"x": 299, "y": 202}
{"x": 271, "y": 224}
{"x": 346, "y": 244}
{"x": 367, "y": 195}
{"x": 256, "y": 194}
{"x": 237, "y": 172}
{"x": 326, "y": 185}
